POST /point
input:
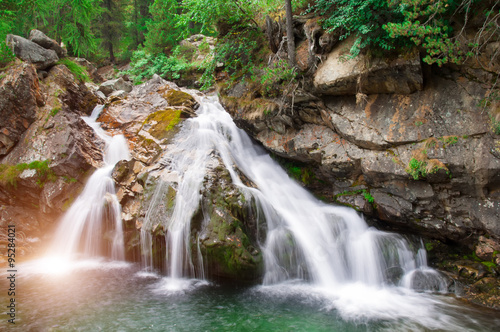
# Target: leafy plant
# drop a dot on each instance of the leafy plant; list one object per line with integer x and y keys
{"x": 10, "y": 173}
{"x": 77, "y": 70}
{"x": 369, "y": 198}
{"x": 362, "y": 18}
{"x": 274, "y": 79}
{"x": 144, "y": 65}
{"x": 235, "y": 52}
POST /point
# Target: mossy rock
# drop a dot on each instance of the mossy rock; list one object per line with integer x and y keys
{"x": 228, "y": 244}
{"x": 162, "y": 123}
{"x": 180, "y": 98}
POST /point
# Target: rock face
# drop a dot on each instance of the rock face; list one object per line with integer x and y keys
{"x": 41, "y": 39}
{"x": 20, "y": 96}
{"x": 427, "y": 161}
{"x": 339, "y": 75}
{"x": 31, "y": 52}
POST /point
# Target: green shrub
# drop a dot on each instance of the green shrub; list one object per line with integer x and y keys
{"x": 275, "y": 79}
{"x": 78, "y": 71}
{"x": 144, "y": 65}
{"x": 417, "y": 169}
{"x": 237, "y": 51}
{"x": 10, "y": 173}
{"x": 363, "y": 19}
{"x": 6, "y": 54}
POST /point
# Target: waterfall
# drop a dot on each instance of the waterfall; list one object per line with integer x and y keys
{"x": 306, "y": 239}
{"x": 95, "y": 216}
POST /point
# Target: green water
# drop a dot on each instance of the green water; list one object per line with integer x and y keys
{"x": 118, "y": 298}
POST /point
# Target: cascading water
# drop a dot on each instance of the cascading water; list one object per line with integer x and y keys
{"x": 82, "y": 229}
{"x": 306, "y": 239}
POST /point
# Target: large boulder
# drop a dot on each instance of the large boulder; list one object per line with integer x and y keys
{"x": 341, "y": 75}
{"x": 41, "y": 39}
{"x": 20, "y": 96}
{"x": 29, "y": 51}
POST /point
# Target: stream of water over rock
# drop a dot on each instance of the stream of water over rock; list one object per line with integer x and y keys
{"x": 325, "y": 269}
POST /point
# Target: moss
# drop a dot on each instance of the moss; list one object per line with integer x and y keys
{"x": 179, "y": 98}
{"x": 10, "y": 173}
{"x": 162, "y": 122}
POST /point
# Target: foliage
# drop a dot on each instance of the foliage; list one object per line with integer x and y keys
{"x": 391, "y": 24}
{"x": 426, "y": 23}
{"x": 361, "y": 18}
{"x": 10, "y": 173}
{"x": 417, "y": 168}
{"x": 110, "y": 25}
{"x": 217, "y": 13}
{"x": 163, "y": 31}
{"x": 144, "y": 65}
{"x": 369, "y": 198}
{"x": 236, "y": 52}
{"x": 274, "y": 79}
{"x": 77, "y": 70}
{"x": 366, "y": 194}
{"x": 7, "y": 14}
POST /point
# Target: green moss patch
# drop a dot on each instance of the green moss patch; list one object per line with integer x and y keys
{"x": 180, "y": 98}
{"x": 162, "y": 122}
{"x": 9, "y": 174}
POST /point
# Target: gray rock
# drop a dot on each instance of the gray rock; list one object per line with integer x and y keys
{"x": 113, "y": 85}
{"x": 20, "y": 97}
{"x": 41, "y": 39}
{"x": 29, "y": 51}
{"x": 338, "y": 76}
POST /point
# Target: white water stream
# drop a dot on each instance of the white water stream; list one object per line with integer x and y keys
{"x": 82, "y": 230}
{"x": 306, "y": 239}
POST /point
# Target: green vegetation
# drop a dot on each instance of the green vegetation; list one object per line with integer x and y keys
{"x": 419, "y": 169}
{"x": 276, "y": 78}
{"x": 387, "y": 25}
{"x": 9, "y": 173}
{"x": 54, "y": 111}
{"x": 147, "y": 32}
{"x": 144, "y": 65}
{"x": 78, "y": 71}
{"x": 366, "y": 194}
{"x": 162, "y": 122}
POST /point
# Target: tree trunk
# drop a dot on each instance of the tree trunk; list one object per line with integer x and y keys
{"x": 289, "y": 33}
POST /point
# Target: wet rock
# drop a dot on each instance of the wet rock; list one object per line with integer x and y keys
{"x": 228, "y": 240}
{"x": 41, "y": 39}
{"x": 31, "y": 52}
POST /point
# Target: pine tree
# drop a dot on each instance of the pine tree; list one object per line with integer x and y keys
{"x": 111, "y": 25}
